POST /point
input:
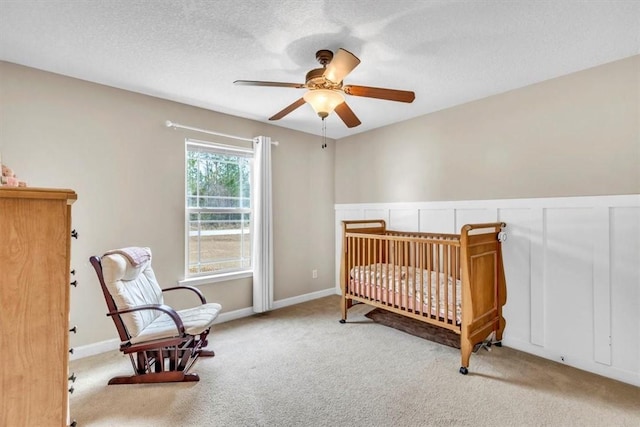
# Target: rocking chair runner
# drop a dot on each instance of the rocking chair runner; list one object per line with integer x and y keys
{"x": 161, "y": 342}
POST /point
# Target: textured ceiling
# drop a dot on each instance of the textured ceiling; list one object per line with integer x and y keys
{"x": 448, "y": 52}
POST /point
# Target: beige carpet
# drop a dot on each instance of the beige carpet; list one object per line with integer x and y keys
{"x": 298, "y": 366}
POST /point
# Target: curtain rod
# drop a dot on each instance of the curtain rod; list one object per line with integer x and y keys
{"x": 170, "y": 124}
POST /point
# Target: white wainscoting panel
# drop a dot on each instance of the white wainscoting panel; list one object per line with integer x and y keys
{"x": 517, "y": 269}
{"x": 404, "y": 219}
{"x": 602, "y": 285}
{"x": 437, "y": 221}
{"x": 377, "y": 214}
{"x": 625, "y": 288}
{"x": 536, "y": 269}
{"x": 568, "y": 279}
{"x": 572, "y": 266}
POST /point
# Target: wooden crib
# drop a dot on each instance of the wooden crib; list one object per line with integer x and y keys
{"x": 454, "y": 281}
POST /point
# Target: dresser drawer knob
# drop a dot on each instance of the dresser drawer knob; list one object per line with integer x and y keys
{"x": 74, "y": 233}
{"x": 71, "y": 351}
{"x": 71, "y": 390}
{"x": 73, "y": 271}
{"x": 74, "y": 283}
{"x": 74, "y": 329}
{"x": 74, "y": 423}
{"x": 73, "y": 377}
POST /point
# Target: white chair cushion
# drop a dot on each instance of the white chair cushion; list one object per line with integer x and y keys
{"x": 131, "y": 287}
{"x": 195, "y": 320}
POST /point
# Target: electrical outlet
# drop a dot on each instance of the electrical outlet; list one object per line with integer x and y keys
{"x": 314, "y": 274}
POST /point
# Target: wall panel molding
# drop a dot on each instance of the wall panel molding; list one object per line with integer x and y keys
{"x": 537, "y": 250}
{"x": 602, "y": 285}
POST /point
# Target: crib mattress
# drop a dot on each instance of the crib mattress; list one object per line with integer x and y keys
{"x": 400, "y": 286}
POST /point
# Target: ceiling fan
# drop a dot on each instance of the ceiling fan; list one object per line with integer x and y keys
{"x": 326, "y": 89}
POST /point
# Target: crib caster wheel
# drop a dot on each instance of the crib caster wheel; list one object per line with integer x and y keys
{"x": 343, "y": 321}
{"x": 498, "y": 343}
{"x": 463, "y": 370}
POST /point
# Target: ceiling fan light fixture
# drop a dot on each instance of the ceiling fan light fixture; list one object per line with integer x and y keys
{"x": 323, "y": 101}
{"x": 326, "y": 90}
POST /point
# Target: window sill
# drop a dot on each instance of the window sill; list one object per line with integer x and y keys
{"x": 224, "y": 277}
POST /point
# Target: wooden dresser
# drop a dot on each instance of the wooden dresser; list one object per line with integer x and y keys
{"x": 35, "y": 238}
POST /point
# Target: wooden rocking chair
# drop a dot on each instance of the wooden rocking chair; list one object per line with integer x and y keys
{"x": 161, "y": 342}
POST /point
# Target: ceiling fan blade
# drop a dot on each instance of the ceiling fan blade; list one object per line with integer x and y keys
{"x": 347, "y": 115}
{"x": 288, "y": 109}
{"x": 272, "y": 84}
{"x": 380, "y": 93}
{"x": 343, "y": 63}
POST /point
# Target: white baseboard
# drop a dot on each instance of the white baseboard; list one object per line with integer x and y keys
{"x": 303, "y": 298}
{"x": 113, "y": 344}
{"x": 628, "y": 377}
{"x": 233, "y": 315}
{"x": 87, "y": 350}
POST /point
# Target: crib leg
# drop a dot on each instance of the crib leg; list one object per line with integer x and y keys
{"x": 344, "y": 306}
{"x": 465, "y": 351}
{"x": 499, "y": 331}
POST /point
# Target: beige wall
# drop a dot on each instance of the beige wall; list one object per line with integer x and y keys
{"x": 570, "y": 136}
{"x": 112, "y": 148}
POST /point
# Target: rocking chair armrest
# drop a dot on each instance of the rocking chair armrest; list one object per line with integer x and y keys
{"x": 191, "y": 288}
{"x": 160, "y": 307}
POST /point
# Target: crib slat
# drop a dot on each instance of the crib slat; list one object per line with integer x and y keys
{"x": 374, "y": 272}
{"x": 451, "y": 282}
{"x": 356, "y": 261}
{"x": 400, "y": 291}
{"x": 429, "y": 268}
{"x": 456, "y": 279}
{"x": 366, "y": 262}
{"x": 350, "y": 265}
{"x": 387, "y": 266}
{"x": 379, "y": 288}
{"x": 445, "y": 280}
{"x": 396, "y": 273}
{"x": 373, "y": 260}
{"x": 420, "y": 269}
{"x": 437, "y": 278}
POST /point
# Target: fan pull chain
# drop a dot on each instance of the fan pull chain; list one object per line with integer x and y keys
{"x": 324, "y": 134}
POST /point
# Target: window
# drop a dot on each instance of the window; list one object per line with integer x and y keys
{"x": 218, "y": 208}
